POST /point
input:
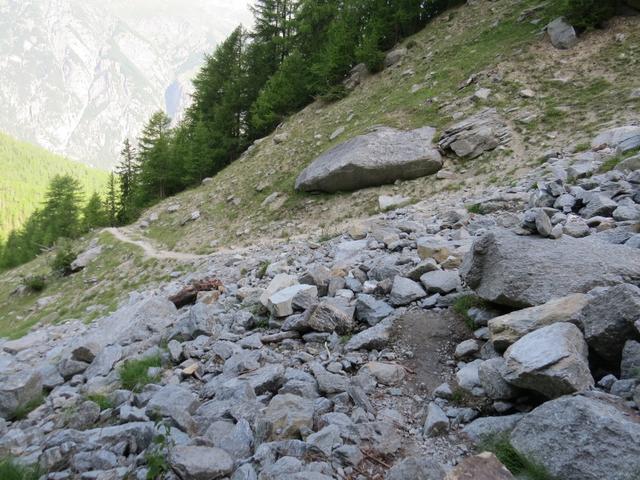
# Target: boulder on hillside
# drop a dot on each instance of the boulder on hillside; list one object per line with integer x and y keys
{"x": 523, "y": 271}
{"x": 508, "y": 329}
{"x": 561, "y": 34}
{"x": 377, "y": 158}
{"x": 584, "y": 437}
{"x": 472, "y": 137}
{"x": 484, "y": 466}
{"x": 622, "y": 139}
{"x": 552, "y": 361}
{"x": 17, "y": 391}
{"x": 85, "y": 258}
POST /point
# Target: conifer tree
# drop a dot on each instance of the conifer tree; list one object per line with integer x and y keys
{"x": 128, "y": 172}
{"x": 93, "y": 214}
{"x": 111, "y": 202}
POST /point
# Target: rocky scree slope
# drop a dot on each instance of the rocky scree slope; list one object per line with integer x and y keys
{"x": 483, "y": 56}
{"x": 346, "y": 360}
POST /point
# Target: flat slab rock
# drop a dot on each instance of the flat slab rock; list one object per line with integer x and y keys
{"x": 377, "y": 158}
{"x": 524, "y": 271}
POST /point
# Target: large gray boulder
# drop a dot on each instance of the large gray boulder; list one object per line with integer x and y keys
{"x": 17, "y": 391}
{"x": 608, "y": 320}
{"x": 552, "y": 361}
{"x": 561, "y": 34}
{"x": 377, "y": 158}
{"x": 621, "y": 138}
{"x": 584, "y": 437}
{"x": 523, "y": 271}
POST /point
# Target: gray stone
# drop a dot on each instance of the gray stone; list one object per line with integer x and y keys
{"x": 510, "y": 270}
{"x": 86, "y": 352}
{"x": 325, "y": 440}
{"x": 380, "y": 157}
{"x": 17, "y": 390}
{"x": 200, "y": 463}
{"x": 416, "y": 468}
{"x": 475, "y": 135}
{"x": 598, "y": 205}
{"x": 622, "y": 139}
{"x": 287, "y": 415}
{"x": 279, "y": 282}
{"x": 608, "y": 320}
{"x": 467, "y": 348}
{"x": 543, "y": 223}
{"x": 98, "y": 460}
{"x": 374, "y": 338}
{"x": 437, "y": 422}
{"x": 624, "y": 388}
{"x": 237, "y": 441}
{"x": 576, "y": 227}
{"x": 552, "y": 361}
{"x": 385, "y": 373}
{"x": 85, "y": 258}
{"x": 328, "y": 316}
{"x": 371, "y": 310}
{"x": 175, "y": 402}
{"x": 484, "y": 466}
{"x": 489, "y": 427}
{"x": 404, "y": 291}
{"x": 69, "y": 367}
{"x": 281, "y": 303}
{"x": 630, "y": 365}
{"x": 85, "y": 416}
{"x": 468, "y": 378}
{"x": 581, "y": 438}
{"x": 318, "y": 275}
{"x": 440, "y": 281}
{"x": 329, "y": 382}
{"x": 491, "y": 374}
{"x": 561, "y": 34}
{"x": 104, "y": 361}
{"x": 509, "y": 328}
{"x": 394, "y": 56}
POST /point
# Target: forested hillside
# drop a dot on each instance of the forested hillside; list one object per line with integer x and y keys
{"x": 26, "y": 172}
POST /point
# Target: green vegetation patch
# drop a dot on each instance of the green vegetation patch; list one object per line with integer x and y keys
{"x": 134, "y": 374}
{"x": 517, "y": 464}
{"x": 12, "y": 470}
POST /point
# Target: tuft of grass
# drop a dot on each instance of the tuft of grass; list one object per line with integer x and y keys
{"x": 102, "y": 400}
{"x": 613, "y": 162}
{"x": 474, "y": 208}
{"x": 134, "y": 374}
{"x": 24, "y": 410}
{"x": 262, "y": 269}
{"x": 35, "y": 283}
{"x": 11, "y": 470}
{"x": 516, "y": 463}
{"x": 460, "y": 397}
{"x": 462, "y": 306}
{"x": 583, "y": 147}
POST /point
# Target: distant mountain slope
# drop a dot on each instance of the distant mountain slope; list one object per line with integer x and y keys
{"x": 25, "y": 173}
{"x": 79, "y": 76}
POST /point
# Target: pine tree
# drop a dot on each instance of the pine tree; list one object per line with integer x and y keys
{"x": 111, "y": 202}
{"x": 61, "y": 212}
{"x": 128, "y": 172}
{"x": 155, "y": 158}
{"x": 93, "y": 214}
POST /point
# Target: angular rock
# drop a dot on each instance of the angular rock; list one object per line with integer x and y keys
{"x": 17, "y": 390}
{"x": 508, "y": 329}
{"x": 404, "y": 291}
{"x": 385, "y": 373}
{"x": 282, "y": 302}
{"x": 437, "y": 422}
{"x": 561, "y": 34}
{"x": 377, "y": 158}
{"x": 511, "y": 270}
{"x": 630, "y": 365}
{"x": 608, "y": 320}
{"x": 318, "y": 275}
{"x": 416, "y": 468}
{"x": 440, "y": 281}
{"x": 175, "y": 402}
{"x": 484, "y": 466}
{"x": 287, "y": 415}
{"x": 581, "y": 438}
{"x": 622, "y": 139}
{"x": 200, "y": 463}
{"x": 327, "y": 316}
{"x": 491, "y": 373}
{"x": 484, "y": 428}
{"x": 374, "y": 338}
{"x": 472, "y": 137}
{"x": 371, "y": 310}
{"x": 279, "y": 282}
{"x": 552, "y": 361}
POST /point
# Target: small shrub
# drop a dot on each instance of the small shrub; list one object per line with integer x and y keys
{"x": 262, "y": 269}
{"x": 334, "y": 94}
{"x": 156, "y": 456}
{"x": 512, "y": 459}
{"x": 23, "y": 410}
{"x": 586, "y": 14}
{"x": 35, "y": 283}
{"x": 65, "y": 255}
{"x": 583, "y": 147}
{"x": 11, "y": 470}
{"x": 134, "y": 374}
{"x": 102, "y": 400}
{"x": 474, "y": 208}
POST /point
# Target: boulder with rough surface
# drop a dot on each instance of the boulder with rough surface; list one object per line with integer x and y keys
{"x": 200, "y": 463}
{"x": 508, "y": 329}
{"x": 484, "y": 466}
{"x": 621, "y": 138}
{"x": 523, "y": 271}
{"x": 17, "y": 391}
{"x": 561, "y": 34}
{"x": 552, "y": 361}
{"x": 377, "y": 158}
{"x": 584, "y": 437}
{"x": 472, "y": 137}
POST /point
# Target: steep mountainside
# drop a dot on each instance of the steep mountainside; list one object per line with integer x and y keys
{"x": 80, "y": 76}
{"x": 26, "y": 171}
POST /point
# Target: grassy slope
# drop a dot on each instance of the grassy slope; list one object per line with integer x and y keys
{"x": 602, "y": 71}
{"x": 26, "y": 171}
{"x": 507, "y": 54}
